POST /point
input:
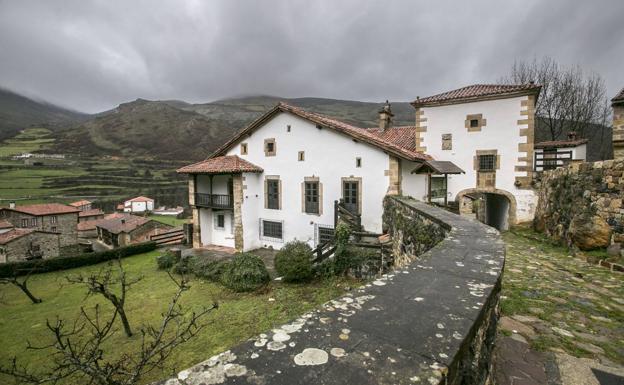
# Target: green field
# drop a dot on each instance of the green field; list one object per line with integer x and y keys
{"x": 29, "y": 140}
{"x": 169, "y": 220}
{"x": 245, "y": 315}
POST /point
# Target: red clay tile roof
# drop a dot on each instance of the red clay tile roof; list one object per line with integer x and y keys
{"x": 619, "y": 97}
{"x": 83, "y": 202}
{"x": 90, "y": 213}
{"x": 123, "y": 223}
{"x": 140, "y": 199}
{"x": 45, "y": 209}
{"x": 365, "y": 135}
{"x": 14, "y": 234}
{"x": 220, "y": 164}
{"x": 401, "y": 136}
{"x": 561, "y": 143}
{"x": 477, "y": 92}
{"x": 5, "y": 224}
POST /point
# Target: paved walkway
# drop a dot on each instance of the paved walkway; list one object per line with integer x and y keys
{"x": 562, "y": 318}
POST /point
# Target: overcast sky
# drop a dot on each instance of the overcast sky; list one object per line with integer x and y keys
{"x": 93, "y": 55}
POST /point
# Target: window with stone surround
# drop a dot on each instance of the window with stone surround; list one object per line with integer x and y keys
{"x": 270, "y": 147}
{"x": 272, "y": 193}
{"x": 358, "y": 162}
{"x": 301, "y": 156}
{"x": 53, "y": 219}
{"x": 487, "y": 162}
{"x": 311, "y": 196}
{"x": 474, "y": 122}
{"x": 271, "y": 230}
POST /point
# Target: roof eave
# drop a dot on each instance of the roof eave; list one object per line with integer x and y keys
{"x": 533, "y": 91}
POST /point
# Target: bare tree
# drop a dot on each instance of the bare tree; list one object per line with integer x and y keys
{"x": 77, "y": 353}
{"x": 103, "y": 282}
{"x": 570, "y": 99}
{"x": 22, "y": 283}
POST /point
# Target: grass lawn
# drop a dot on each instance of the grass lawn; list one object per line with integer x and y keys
{"x": 169, "y": 220}
{"x": 239, "y": 317}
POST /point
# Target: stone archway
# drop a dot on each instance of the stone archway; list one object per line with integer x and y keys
{"x": 511, "y": 218}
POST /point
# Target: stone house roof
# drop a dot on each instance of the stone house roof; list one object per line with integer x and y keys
{"x": 477, "y": 92}
{"x": 140, "y": 199}
{"x": 220, "y": 165}
{"x": 90, "y": 213}
{"x": 124, "y": 223}
{"x": 5, "y": 224}
{"x": 44, "y": 209}
{"x": 365, "y": 135}
{"x": 14, "y": 234}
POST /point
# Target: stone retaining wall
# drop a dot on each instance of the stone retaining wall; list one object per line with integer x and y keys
{"x": 582, "y": 205}
{"x": 431, "y": 321}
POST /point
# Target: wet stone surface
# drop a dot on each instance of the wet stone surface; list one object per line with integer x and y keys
{"x": 406, "y": 327}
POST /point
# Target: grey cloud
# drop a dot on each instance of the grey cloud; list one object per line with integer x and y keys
{"x": 92, "y": 55}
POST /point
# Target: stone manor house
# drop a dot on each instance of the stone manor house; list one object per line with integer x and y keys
{"x": 277, "y": 179}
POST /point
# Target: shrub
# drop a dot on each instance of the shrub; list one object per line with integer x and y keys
{"x": 293, "y": 262}
{"x": 183, "y": 266}
{"x": 167, "y": 260}
{"x": 325, "y": 269}
{"x": 70, "y": 262}
{"x": 246, "y": 272}
{"x": 207, "y": 269}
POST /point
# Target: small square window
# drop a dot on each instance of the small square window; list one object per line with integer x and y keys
{"x": 301, "y": 156}
{"x": 243, "y": 149}
{"x": 358, "y": 162}
{"x": 288, "y": 128}
{"x": 474, "y": 122}
{"x": 269, "y": 147}
{"x": 53, "y": 229}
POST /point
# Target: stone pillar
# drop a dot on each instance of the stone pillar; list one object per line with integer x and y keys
{"x": 237, "y": 184}
{"x": 527, "y": 130}
{"x": 196, "y": 229}
{"x": 192, "y": 182}
{"x": 618, "y": 126}
{"x": 421, "y": 126}
{"x": 394, "y": 174}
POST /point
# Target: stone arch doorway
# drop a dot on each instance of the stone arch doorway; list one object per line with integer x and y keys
{"x": 495, "y": 207}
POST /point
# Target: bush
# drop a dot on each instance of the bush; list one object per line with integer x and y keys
{"x": 167, "y": 260}
{"x": 293, "y": 262}
{"x": 207, "y": 269}
{"x": 61, "y": 263}
{"x": 246, "y": 272}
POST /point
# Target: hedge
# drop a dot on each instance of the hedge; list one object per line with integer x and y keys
{"x": 61, "y": 263}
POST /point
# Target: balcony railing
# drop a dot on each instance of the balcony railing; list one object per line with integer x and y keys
{"x": 215, "y": 201}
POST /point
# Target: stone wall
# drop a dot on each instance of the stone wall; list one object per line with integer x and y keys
{"x": 581, "y": 204}
{"x": 17, "y": 250}
{"x": 432, "y": 321}
{"x": 65, "y": 224}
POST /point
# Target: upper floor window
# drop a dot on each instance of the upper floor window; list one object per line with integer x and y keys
{"x": 220, "y": 221}
{"x": 33, "y": 222}
{"x": 358, "y": 162}
{"x": 288, "y": 128}
{"x": 487, "y": 162}
{"x": 301, "y": 156}
{"x": 447, "y": 141}
{"x": 243, "y": 148}
{"x": 53, "y": 219}
{"x": 270, "y": 148}
{"x": 475, "y": 122}
{"x": 272, "y": 190}
{"x": 24, "y": 222}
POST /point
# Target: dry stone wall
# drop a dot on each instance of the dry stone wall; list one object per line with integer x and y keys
{"x": 581, "y": 205}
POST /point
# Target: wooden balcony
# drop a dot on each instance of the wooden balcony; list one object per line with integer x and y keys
{"x": 214, "y": 201}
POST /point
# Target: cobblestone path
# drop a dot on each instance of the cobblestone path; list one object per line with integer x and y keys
{"x": 562, "y": 318}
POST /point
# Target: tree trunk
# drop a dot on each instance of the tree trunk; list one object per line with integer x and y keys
{"x": 124, "y": 321}
{"x": 24, "y": 288}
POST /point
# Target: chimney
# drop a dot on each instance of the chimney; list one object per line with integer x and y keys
{"x": 385, "y": 117}
{"x": 572, "y": 135}
{"x": 11, "y": 205}
{"x": 123, "y": 221}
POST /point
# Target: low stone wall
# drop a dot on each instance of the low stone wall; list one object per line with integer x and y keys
{"x": 431, "y": 321}
{"x": 581, "y": 204}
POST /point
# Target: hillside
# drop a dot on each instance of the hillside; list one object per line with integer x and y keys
{"x": 18, "y": 112}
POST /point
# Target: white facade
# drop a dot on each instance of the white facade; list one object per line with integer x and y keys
{"x": 132, "y": 206}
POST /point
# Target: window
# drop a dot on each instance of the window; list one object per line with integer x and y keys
{"x": 288, "y": 128}
{"x": 24, "y": 222}
{"x": 474, "y": 123}
{"x": 53, "y": 229}
{"x": 243, "y": 149}
{"x": 33, "y": 222}
{"x": 301, "y": 156}
{"x": 272, "y": 194}
{"x": 447, "y": 141}
{"x": 311, "y": 197}
{"x": 270, "y": 147}
{"x": 358, "y": 162}
{"x": 271, "y": 229}
{"x": 220, "y": 221}
{"x": 53, "y": 219}
{"x": 487, "y": 162}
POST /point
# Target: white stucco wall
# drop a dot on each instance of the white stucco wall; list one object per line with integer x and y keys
{"x": 138, "y": 207}
{"x": 501, "y": 133}
{"x": 329, "y": 156}
{"x": 413, "y": 185}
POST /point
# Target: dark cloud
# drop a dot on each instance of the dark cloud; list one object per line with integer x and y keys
{"x": 92, "y": 55}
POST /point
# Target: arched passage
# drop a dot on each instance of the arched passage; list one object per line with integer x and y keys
{"x": 495, "y": 207}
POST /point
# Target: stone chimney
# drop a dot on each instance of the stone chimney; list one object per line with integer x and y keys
{"x": 385, "y": 117}
{"x": 572, "y": 135}
{"x": 618, "y": 125}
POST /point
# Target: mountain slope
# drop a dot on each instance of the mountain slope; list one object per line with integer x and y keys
{"x": 18, "y": 112}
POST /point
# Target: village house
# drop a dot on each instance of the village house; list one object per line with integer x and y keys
{"x": 139, "y": 204}
{"x": 120, "y": 230}
{"x": 82, "y": 205}
{"x": 5, "y": 226}
{"x": 20, "y": 244}
{"x": 277, "y": 179}
{"x": 558, "y": 153}
{"x": 48, "y": 217}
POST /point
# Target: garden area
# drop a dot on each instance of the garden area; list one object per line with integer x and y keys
{"x": 249, "y": 301}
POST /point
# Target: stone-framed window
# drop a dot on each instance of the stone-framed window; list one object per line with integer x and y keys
{"x": 243, "y": 148}
{"x": 24, "y": 222}
{"x": 271, "y": 230}
{"x": 301, "y": 156}
{"x": 475, "y": 122}
{"x": 288, "y": 128}
{"x": 447, "y": 141}
{"x": 272, "y": 192}
{"x": 486, "y": 162}
{"x": 270, "y": 147}
{"x": 358, "y": 162}
{"x": 53, "y": 219}
{"x": 312, "y": 196}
